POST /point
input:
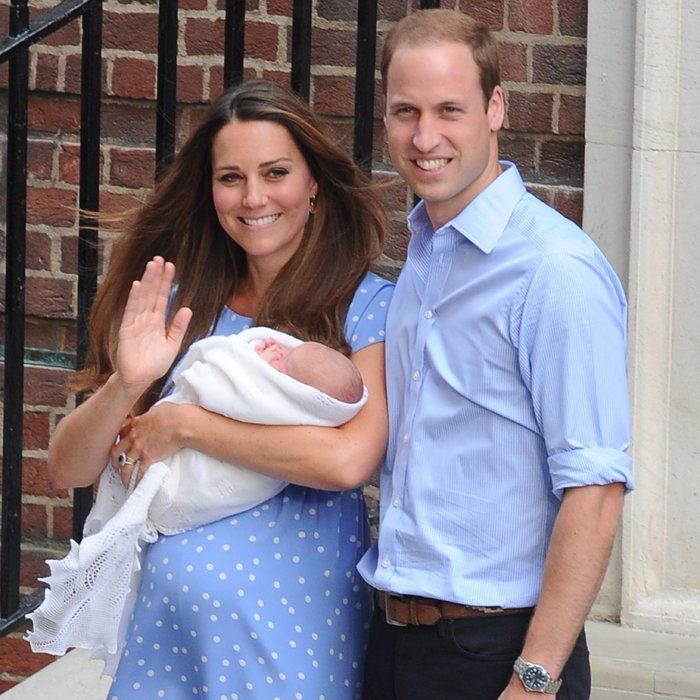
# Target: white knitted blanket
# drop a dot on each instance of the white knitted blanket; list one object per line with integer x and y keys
{"x": 92, "y": 591}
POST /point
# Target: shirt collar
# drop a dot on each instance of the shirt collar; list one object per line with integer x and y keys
{"x": 485, "y": 218}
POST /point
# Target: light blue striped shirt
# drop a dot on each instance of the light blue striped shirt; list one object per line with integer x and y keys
{"x": 506, "y": 375}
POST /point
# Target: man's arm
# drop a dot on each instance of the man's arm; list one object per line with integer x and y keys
{"x": 577, "y": 558}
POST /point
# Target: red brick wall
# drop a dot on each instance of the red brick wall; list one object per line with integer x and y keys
{"x": 543, "y": 66}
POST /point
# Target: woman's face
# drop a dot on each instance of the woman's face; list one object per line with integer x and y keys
{"x": 261, "y": 186}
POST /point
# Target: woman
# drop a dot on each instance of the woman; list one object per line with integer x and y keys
{"x": 268, "y": 222}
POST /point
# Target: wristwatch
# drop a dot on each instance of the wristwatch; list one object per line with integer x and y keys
{"x": 535, "y": 678}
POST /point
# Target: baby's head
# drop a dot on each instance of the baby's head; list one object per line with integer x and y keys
{"x": 318, "y": 366}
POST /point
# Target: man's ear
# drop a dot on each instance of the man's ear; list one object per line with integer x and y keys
{"x": 496, "y": 109}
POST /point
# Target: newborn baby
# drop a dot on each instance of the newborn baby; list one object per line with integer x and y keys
{"x": 317, "y": 365}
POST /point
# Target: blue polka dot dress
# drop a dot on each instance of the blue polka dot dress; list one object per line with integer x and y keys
{"x": 267, "y": 603}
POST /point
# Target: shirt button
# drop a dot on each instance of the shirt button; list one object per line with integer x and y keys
{"x": 405, "y": 437}
{"x": 416, "y": 375}
{"x": 397, "y": 502}
{"x": 428, "y": 314}
{"x": 386, "y": 563}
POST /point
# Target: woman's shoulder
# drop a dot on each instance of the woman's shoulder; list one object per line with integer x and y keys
{"x": 366, "y": 316}
{"x": 371, "y": 286}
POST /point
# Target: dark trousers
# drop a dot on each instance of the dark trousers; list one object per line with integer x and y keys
{"x": 467, "y": 659}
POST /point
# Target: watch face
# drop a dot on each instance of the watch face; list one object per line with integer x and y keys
{"x": 535, "y": 677}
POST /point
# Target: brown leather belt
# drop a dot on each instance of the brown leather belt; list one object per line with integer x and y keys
{"x": 413, "y": 610}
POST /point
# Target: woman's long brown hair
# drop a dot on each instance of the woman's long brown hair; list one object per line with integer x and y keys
{"x": 309, "y": 297}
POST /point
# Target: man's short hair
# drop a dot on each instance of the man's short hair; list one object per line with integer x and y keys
{"x": 436, "y": 26}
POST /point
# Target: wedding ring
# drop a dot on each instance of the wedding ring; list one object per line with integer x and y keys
{"x": 124, "y": 460}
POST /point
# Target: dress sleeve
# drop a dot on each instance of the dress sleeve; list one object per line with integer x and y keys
{"x": 572, "y": 356}
{"x": 366, "y": 318}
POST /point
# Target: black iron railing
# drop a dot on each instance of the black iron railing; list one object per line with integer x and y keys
{"x": 15, "y": 50}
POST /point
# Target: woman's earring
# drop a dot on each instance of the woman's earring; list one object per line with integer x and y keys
{"x": 312, "y": 204}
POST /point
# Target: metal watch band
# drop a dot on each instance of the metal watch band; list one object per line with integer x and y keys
{"x": 535, "y": 678}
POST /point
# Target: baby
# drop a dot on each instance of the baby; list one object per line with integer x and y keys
{"x": 317, "y": 365}
{"x": 258, "y": 376}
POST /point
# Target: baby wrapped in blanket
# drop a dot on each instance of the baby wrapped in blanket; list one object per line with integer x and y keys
{"x": 258, "y": 376}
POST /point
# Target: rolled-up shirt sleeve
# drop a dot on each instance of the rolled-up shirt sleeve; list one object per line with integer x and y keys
{"x": 573, "y": 357}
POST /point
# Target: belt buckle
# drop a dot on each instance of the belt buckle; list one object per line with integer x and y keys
{"x": 390, "y": 620}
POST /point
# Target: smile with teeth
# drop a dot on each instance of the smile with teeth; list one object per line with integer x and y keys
{"x": 262, "y": 221}
{"x": 432, "y": 164}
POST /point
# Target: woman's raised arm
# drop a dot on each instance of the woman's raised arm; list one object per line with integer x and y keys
{"x": 80, "y": 446}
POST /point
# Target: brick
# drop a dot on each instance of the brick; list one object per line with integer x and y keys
{"x": 45, "y": 334}
{"x": 562, "y": 161}
{"x": 277, "y": 76}
{"x": 216, "y": 81}
{"x": 34, "y": 520}
{"x": 35, "y": 479}
{"x": 45, "y": 386}
{"x": 573, "y": 17}
{"x": 36, "y": 430}
{"x": 542, "y": 192}
{"x": 68, "y": 35}
{"x": 521, "y": 150}
{"x": 62, "y": 522}
{"x": 32, "y": 567}
{"x": 48, "y": 297}
{"x": 337, "y": 9}
{"x": 529, "y": 111}
{"x": 397, "y": 241}
{"x": 193, "y": 4}
{"x": 137, "y": 31}
{"x": 69, "y": 256}
{"x": 134, "y": 77}
{"x": 38, "y": 251}
{"x": 532, "y": 16}
{"x": 334, "y": 95}
{"x": 513, "y": 60}
{"x": 52, "y": 114}
{"x": 262, "y": 39}
{"x": 333, "y": 47}
{"x": 572, "y": 114}
{"x": 190, "y": 84}
{"x": 46, "y": 77}
{"x": 73, "y": 75}
{"x": 394, "y": 192}
{"x": 39, "y": 159}
{"x": 4, "y": 72}
{"x": 341, "y": 132}
{"x": 205, "y": 37}
{"x": 559, "y": 65}
{"x": 16, "y": 657}
{"x": 51, "y": 206}
{"x": 69, "y": 163}
{"x": 391, "y": 10}
{"x": 133, "y": 167}
{"x": 489, "y": 12}
{"x": 131, "y": 122}
{"x": 280, "y": 7}
{"x": 113, "y": 203}
{"x": 570, "y": 204}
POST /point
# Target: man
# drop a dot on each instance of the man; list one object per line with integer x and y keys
{"x": 506, "y": 466}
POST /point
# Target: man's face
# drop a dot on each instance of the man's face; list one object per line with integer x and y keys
{"x": 441, "y": 134}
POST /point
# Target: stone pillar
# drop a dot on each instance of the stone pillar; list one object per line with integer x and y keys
{"x": 655, "y": 188}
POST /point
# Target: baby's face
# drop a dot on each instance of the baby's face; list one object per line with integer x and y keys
{"x": 273, "y": 353}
